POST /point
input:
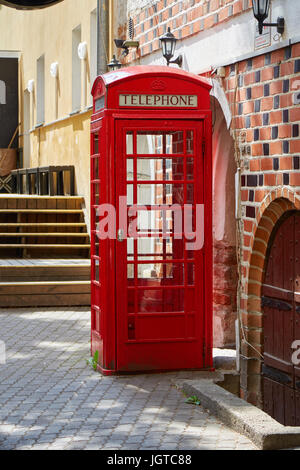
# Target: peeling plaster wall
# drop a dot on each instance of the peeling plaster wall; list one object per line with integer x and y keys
{"x": 135, "y": 5}
{"x": 224, "y": 235}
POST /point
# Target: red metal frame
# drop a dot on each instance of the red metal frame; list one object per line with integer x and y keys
{"x": 156, "y": 346}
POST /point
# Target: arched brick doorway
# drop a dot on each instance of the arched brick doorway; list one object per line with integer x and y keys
{"x": 275, "y": 205}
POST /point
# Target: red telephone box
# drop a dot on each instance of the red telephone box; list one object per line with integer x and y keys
{"x": 151, "y": 200}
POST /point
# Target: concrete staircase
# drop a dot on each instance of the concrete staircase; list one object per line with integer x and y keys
{"x": 44, "y": 251}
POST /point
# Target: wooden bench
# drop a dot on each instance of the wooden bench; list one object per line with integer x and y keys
{"x": 48, "y": 180}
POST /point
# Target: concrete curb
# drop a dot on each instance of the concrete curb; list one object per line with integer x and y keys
{"x": 260, "y": 428}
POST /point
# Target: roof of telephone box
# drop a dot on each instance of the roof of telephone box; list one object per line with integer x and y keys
{"x": 157, "y": 71}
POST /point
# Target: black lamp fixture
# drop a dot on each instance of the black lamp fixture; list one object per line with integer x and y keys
{"x": 168, "y": 43}
{"x": 125, "y": 45}
{"x": 120, "y": 45}
{"x": 114, "y": 64}
{"x": 261, "y": 11}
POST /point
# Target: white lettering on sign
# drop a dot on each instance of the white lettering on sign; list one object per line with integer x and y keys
{"x": 159, "y": 101}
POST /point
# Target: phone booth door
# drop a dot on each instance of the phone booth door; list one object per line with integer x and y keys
{"x": 159, "y": 249}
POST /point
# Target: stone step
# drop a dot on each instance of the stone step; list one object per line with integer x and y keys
{"x": 41, "y": 224}
{"x": 50, "y": 293}
{"x": 40, "y": 211}
{"x": 42, "y": 246}
{"x": 43, "y": 234}
{"x": 46, "y": 221}
{"x": 40, "y": 273}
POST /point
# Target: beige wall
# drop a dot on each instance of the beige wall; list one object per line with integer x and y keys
{"x": 49, "y": 32}
{"x": 68, "y": 143}
{"x": 62, "y": 139}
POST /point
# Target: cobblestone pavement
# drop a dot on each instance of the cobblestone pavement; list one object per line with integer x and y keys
{"x": 50, "y": 398}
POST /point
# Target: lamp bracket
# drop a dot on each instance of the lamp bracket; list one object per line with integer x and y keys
{"x": 121, "y": 44}
{"x": 177, "y": 61}
{"x": 130, "y": 43}
{"x": 279, "y": 25}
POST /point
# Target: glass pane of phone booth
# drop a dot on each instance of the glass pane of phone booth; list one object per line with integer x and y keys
{"x": 160, "y": 180}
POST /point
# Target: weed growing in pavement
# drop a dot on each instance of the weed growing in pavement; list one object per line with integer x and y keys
{"x": 193, "y": 400}
{"x": 93, "y": 361}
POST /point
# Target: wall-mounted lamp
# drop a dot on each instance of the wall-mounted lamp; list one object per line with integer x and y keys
{"x": 261, "y": 11}
{"x": 114, "y": 64}
{"x": 30, "y": 89}
{"x": 54, "y": 74}
{"x": 168, "y": 43}
{"x": 82, "y": 54}
{"x": 121, "y": 44}
{"x": 30, "y": 86}
{"x": 82, "y": 50}
{"x": 54, "y": 70}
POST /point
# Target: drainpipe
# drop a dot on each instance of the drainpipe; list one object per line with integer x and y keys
{"x": 111, "y": 28}
{"x": 102, "y": 35}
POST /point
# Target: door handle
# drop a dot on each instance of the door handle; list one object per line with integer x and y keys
{"x": 120, "y": 236}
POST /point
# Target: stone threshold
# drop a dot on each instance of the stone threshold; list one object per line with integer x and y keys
{"x": 246, "y": 419}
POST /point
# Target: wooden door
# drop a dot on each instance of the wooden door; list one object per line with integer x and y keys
{"x": 160, "y": 283}
{"x": 281, "y": 307}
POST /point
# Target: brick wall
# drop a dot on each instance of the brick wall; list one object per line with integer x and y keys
{"x": 224, "y": 294}
{"x": 266, "y": 116}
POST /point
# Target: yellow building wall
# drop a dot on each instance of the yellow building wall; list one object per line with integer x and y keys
{"x": 48, "y": 32}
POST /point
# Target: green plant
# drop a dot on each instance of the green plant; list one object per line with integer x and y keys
{"x": 93, "y": 361}
{"x": 193, "y": 400}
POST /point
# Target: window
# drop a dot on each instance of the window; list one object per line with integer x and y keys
{"x": 40, "y": 91}
{"x": 76, "y": 70}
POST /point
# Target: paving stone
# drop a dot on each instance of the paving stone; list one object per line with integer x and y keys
{"x": 53, "y": 400}
{"x": 40, "y": 447}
